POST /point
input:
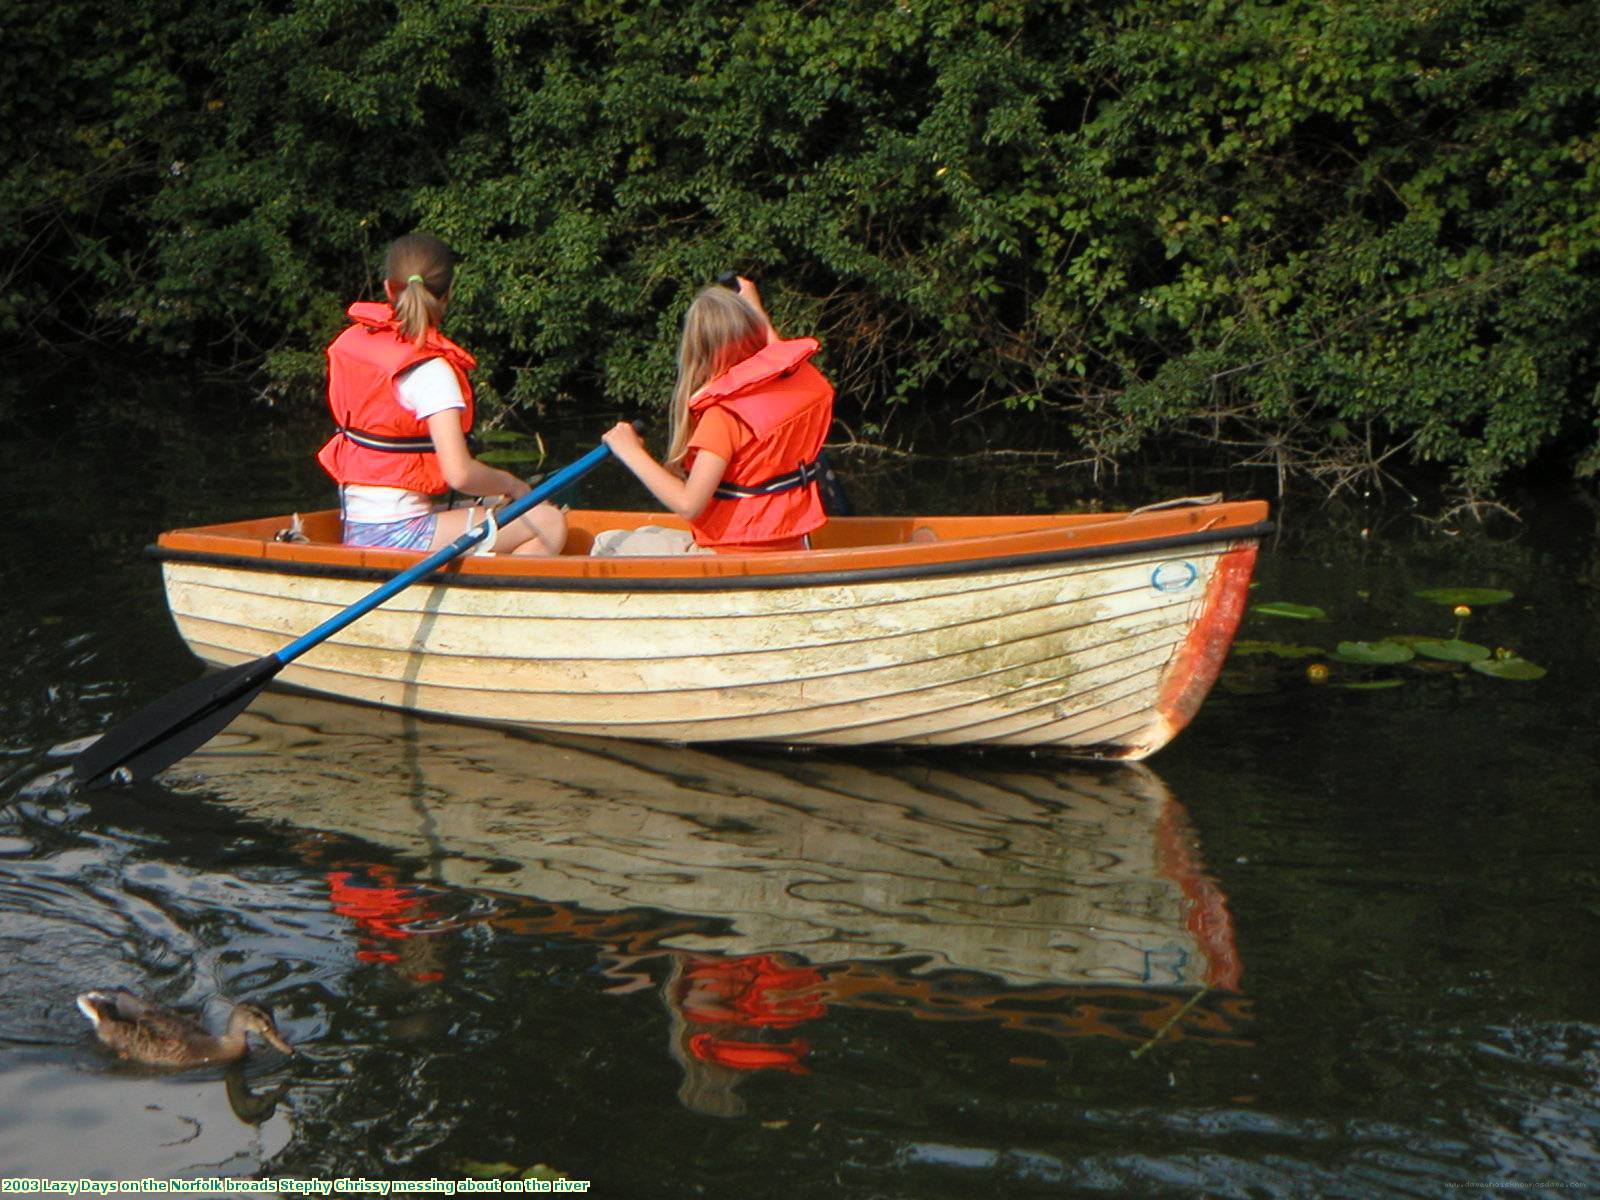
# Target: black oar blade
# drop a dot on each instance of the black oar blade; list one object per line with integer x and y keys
{"x": 159, "y": 735}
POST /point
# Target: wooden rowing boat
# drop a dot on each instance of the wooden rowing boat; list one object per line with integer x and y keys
{"x": 1095, "y": 634}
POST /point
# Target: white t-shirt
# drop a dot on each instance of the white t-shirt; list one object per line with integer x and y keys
{"x": 427, "y": 388}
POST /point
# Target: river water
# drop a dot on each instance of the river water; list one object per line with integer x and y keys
{"x": 1335, "y": 940}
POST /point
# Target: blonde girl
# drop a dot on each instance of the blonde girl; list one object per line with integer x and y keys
{"x": 748, "y": 418}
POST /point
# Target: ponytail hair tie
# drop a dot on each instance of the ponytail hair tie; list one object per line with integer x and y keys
{"x": 410, "y": 279}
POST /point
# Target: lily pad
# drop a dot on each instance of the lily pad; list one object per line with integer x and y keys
{"x": 1472, "y": 597}
{"x": 1374, "y": 654}
{"x": 1373, "y": 685}
{"x": 1519, "y": 669}
{"x": 1453, "y": 651}
{"x": 1296, "y": 612}
{"x": 1278, "y": 649}
{"x": 503, "y": 437}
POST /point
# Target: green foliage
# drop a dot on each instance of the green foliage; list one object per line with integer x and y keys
{"x": 1325, "y": 237}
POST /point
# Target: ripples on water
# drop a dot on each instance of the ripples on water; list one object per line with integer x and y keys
{"x": 1330, "y": 944}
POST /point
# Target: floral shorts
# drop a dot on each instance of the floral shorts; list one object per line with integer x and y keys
{"x": 415, "y": 533}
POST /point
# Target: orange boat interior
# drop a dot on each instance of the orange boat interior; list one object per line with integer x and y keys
{"x": 845, "y": 543}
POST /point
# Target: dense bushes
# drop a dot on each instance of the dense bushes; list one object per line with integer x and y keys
{"x": 1317, "y": 235}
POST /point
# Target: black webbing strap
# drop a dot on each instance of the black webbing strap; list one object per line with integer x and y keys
{"x": 799, "y": 477}
{"x": 390, "y": 445}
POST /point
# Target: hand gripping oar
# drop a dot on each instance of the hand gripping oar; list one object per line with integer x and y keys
{"x": 167, "y": 730}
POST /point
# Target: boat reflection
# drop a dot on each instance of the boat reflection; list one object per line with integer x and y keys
{"x": 755, "y": 890}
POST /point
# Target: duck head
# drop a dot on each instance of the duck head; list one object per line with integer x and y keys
{"x": 252, "y": 1018}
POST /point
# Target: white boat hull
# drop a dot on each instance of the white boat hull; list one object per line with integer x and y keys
{"x": 1104, "y": 655}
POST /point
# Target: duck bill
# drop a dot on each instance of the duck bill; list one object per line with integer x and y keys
{"x": 275, "y": 1040}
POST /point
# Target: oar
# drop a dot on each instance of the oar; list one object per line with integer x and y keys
{"x": 167, "y": 730}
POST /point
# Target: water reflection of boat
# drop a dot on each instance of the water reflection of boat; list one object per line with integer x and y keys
{"x": 757, "y": 890}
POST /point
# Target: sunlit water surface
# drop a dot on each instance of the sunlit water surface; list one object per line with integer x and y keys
{"x": 1332, "y": 941}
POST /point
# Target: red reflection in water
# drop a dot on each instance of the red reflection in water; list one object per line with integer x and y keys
{"x": 724, "y": 997}
{"x": 382, "y": 911}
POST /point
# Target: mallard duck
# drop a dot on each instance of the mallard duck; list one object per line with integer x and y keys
{"x": 148, "y": 1033}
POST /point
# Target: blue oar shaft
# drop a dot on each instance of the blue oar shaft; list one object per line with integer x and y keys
{"x": 439, "y": 557}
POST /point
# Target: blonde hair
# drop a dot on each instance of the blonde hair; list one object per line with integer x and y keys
{"x": 419, "y": 270}
{"x": 719, "y": 331}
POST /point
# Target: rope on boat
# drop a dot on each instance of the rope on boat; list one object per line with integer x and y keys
{"x": 1213, "y": 498}
{"x": 296, "y": 532}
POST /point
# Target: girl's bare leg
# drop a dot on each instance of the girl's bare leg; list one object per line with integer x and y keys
{"x": 542, "y": 530}
{"x": 547, "y": 530}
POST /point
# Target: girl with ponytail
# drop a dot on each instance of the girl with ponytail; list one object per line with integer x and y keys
{"x": 400, "y": 399}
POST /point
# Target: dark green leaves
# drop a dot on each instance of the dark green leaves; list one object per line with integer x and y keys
{"x": 1327, "y": 236}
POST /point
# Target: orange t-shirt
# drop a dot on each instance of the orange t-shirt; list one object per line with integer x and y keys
{"x": 721, "y": 433}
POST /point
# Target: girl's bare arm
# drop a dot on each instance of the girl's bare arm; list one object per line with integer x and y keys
{"x": 686, "y": 497}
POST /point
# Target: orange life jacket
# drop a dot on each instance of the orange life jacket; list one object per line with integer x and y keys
{"x": 788, "y": 405}
{"x": 380, "y": 441}
{"x": 755, "y": 991}
{"x": 751, "y": 1056}
{"x": 381, "y": 910}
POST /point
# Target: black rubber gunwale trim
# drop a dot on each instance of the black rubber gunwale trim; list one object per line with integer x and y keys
{"x": 724, "y": 583}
